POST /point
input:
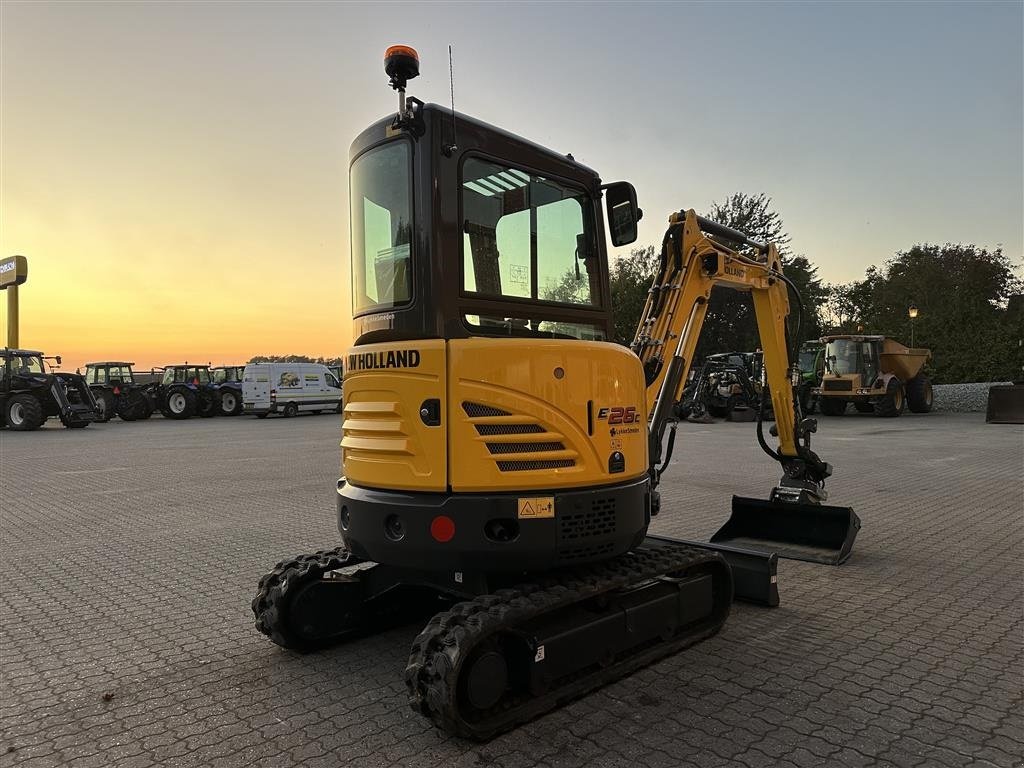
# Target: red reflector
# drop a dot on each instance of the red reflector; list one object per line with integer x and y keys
{"x": 117, "y": 390}
{"x": 442, "y": 528}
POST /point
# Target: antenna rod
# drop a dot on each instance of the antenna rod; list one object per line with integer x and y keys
{"x": 451, "y": 79}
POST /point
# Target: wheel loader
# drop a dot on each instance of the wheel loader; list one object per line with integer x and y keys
{"x": 877, "y": 374}
{"x": 501, "y": 456}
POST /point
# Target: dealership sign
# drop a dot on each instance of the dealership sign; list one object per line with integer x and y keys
{"x": 13, "y": 271}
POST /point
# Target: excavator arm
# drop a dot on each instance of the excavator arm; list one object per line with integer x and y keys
{"x": 698, "y": 254}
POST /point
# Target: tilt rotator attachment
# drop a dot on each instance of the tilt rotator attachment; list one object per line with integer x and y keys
{"x": 793, "y": 522}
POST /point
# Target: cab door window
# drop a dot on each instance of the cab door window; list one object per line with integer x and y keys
{"x": 526, "y": 236}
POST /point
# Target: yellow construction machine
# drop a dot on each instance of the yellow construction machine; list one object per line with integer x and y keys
{"x": 875, "y": 373}
{"x": 501, "y": 456}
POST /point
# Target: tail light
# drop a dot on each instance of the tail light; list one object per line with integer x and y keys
{"x": 117, "y": 390}
{"x": 273, "y": 394}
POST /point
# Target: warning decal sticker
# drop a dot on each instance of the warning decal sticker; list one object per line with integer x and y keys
{"x": 536, "y": 508}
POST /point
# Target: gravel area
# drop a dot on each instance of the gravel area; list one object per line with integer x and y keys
{"x": 963, "y": 398}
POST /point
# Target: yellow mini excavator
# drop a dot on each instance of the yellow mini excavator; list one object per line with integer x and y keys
{"x": 501, "y": 456}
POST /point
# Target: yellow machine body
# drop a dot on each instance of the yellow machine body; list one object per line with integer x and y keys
{"x": 515, "y": 415}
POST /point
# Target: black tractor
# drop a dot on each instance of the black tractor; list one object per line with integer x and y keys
{"x": 116, "y": 391}
{"x": 726, "y": 386}
{"x": 30, "y": 394}
{"x": 184, "y": 391}
{"x": 227, "y": 380}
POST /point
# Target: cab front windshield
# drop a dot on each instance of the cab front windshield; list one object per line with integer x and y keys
{"x": 186, "y": 376}
{"x": 808, "y": 359}
{"x": 27, "y": 365}
{"x": 847, "y": 356}
{"x": 380, "y": 194}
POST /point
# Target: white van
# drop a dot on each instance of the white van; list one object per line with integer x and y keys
{"x": 289, "y": 388}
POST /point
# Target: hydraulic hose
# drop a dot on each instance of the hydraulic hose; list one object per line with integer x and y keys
{"x": 793, "y": 355}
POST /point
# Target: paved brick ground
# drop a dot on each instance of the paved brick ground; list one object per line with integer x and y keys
{"x": 130, "y": 553}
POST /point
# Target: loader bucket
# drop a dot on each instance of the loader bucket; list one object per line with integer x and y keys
{"x": 1005, "y": 404}
{"x": 813, "y": 532}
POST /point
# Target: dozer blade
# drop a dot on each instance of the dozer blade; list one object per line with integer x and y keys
{"x": 754, "y": 573}
{"x": 813, "y": 532}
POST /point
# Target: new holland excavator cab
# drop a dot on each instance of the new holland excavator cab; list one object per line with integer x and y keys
{"x": 498, "y": 450}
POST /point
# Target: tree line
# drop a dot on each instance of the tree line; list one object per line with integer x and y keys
{"x": 328, "y": 361}
{"x": 970, "y": 311}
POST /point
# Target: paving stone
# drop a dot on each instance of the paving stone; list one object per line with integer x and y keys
{"x": 132, "y": 551}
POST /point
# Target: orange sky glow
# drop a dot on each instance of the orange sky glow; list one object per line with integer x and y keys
{"x": 176, "y": 173}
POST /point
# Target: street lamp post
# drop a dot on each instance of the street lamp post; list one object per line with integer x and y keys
{"x": 912, "y": 312}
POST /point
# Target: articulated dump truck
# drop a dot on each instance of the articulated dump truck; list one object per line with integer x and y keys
{"x": 875, "y": 373}
{"x": 501, "y": 456}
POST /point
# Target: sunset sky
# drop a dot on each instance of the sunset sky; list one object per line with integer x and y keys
{"x": 176, "y": 172}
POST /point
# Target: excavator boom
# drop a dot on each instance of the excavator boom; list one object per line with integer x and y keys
{"x": 697, "y": 255}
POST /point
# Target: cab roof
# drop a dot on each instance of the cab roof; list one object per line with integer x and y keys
{"x": 8, "y": 350}
{"x": 465, "y": 127}
{"x": 109, "y": 362}
{"x": 853, "y": 337}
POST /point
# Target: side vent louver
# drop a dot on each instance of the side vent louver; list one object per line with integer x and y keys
{"x": 518, "y": 452}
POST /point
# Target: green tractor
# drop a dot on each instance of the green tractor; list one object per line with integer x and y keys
{"x": 812, "y": 366}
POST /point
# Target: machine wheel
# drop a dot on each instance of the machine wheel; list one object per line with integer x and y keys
{"x": 832, "y": 406}
{"x": 107, "y": 406}
{"x": 24, "y": 413}
{"x": 180, "y": 404}
{"x": 131, "y": 406}
{"x": 892, "y": 404}
{"x": 206, "y": 404}
{"x": 919, "y": 395}
{"x": 232, "y": 398}
{"x": 230, "y": 404}
{"x": 863, "y": 407}
{"x": 290, "y": 410}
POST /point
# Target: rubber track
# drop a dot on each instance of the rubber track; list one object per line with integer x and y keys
{"x": 272, "y": 594}
{"x": 438, "y": 653}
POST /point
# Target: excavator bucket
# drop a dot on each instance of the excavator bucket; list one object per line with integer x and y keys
{"x": 813, "y": 532}
{"x": 1005, "y": 404}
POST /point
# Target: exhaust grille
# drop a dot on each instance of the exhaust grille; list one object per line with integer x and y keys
{"x": 524, "y": 447}
{"x": 837, "y": 386}
{"x": 508, "y": 429}
{"x": 598, "y": 521}
{"x": 516, "y": 447}
{"x": 476, "y": 410}
{"x": 524, "y": 466}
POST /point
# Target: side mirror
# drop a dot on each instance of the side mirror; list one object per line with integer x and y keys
{"x": 623, "y": 213}
{"x": 57, "y": 358}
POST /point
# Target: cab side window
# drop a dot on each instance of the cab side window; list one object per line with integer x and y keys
{"x": 331, "y": 380}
